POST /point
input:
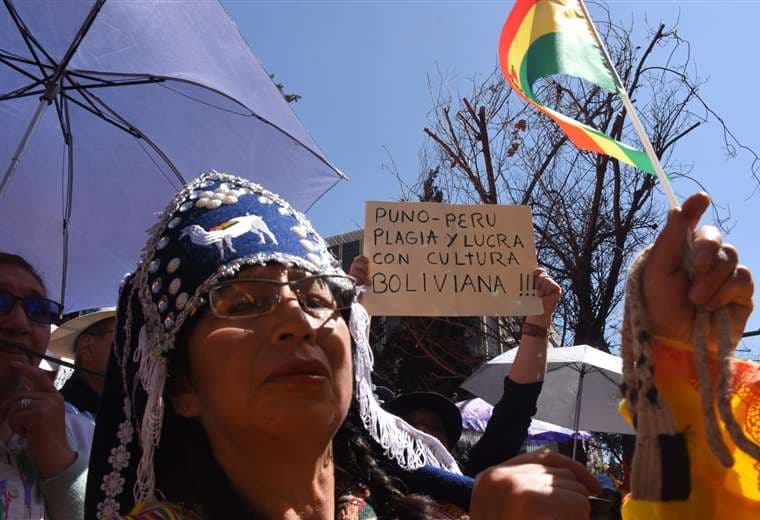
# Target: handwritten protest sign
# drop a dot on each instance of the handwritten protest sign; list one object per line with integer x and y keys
{"x": 431, "y": 259}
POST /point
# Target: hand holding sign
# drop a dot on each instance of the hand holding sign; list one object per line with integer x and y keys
{"x": 430, "y": 259}
{"x": 550, "y": 292}
{"x": 360, "y": 271}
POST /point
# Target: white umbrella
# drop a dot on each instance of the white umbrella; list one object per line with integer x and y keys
{"x": 581, "y": 388}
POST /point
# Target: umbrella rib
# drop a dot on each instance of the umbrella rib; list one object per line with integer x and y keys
{"x": 6, "y": 61}
{"x": 22, "y": 91}
{"x": 15, "y": 57}
{"x": 98, "y": 113}
{"x": 341, "y": 178}
{"x": 188, "y": 96}
{"x": 155, "y": 162}
{"x": 114, "y": 84}
{"x": 604, "y": 374}
{"x": 137, "y": 132}
{"x": 254, "y": 114}
{"x": 65, "y": 121}
{"x": 77, "y": 41}
{"x": 59, "y": 111}
{"x": 559, "y": 367}
{"x": 92, "y": 108}
{"x": 87, "y": 74}
{"x": 25, "y": 94}
{"x": 28, "y": 38}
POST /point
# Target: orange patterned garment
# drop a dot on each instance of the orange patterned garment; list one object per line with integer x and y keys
{"x": 716, "y": 491}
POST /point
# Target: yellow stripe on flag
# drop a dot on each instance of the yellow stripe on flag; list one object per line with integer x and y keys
{"x": 546, "y": 17}
{"x": 610, "y": 148}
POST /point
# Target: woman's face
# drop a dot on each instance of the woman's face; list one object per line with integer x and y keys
{"x": 276, "y": 375}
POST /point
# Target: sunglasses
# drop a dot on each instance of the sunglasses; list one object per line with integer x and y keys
{"x": 320, "y": 296}
{"x": 38, "y": 310}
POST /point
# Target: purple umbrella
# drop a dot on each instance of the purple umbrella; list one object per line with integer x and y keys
{"x": 107, "y": 107}
{"x": 476, "y": 413}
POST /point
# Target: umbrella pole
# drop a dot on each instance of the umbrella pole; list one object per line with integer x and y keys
{"x": 578, "y": 398}
{"x": 16, "y": 159}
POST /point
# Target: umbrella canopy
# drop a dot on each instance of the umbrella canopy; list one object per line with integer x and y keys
{"x": 476, "y": 413}
{"x": 108, "y": 107}
{"x": 581, "y": 388}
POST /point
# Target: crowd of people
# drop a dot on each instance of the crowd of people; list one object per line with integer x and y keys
{"x": 238, "y": 382}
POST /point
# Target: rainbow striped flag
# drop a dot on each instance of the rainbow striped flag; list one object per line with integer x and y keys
{"x": 546, "y": 37}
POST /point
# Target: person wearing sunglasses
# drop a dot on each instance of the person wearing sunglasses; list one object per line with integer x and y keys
{"x": 44, "y": 443}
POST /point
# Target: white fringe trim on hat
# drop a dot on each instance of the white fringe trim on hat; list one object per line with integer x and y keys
{"x": 410, "y": 447}
{"x": 152, "y": 374}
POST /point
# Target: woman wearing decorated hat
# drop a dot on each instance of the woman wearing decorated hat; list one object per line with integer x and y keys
{"x": 239, "y": 384}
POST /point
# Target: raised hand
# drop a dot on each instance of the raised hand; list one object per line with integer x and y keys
{"x": 360, "y": 270}
{"x": 35, "y": 411}
{"x": 542, "y": 485}
{"x": 671, "y": 296}
{"x": 550, "y": 292}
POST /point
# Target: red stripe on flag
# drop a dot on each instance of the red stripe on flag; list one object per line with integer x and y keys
{"x": 576, "y": 134}
{"x": 580, "y": 138}
{"x": 515, "y": 19}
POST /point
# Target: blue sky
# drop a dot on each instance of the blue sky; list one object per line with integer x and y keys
{"x": 363, "y": 67}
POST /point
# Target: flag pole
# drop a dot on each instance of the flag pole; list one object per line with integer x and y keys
{"x": 640, "y": 131}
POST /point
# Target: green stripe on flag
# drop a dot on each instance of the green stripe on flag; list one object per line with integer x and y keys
{"x": 637, "y": 157}
{"x": 564, "y": 53}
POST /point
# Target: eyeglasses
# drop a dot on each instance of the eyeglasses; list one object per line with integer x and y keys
{"x": 319, "y": 296}
{"x": 38, "y": 310}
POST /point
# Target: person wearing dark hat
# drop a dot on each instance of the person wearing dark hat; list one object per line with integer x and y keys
{"x": 44, "y": 442}
{"x": 87, "y": 339}
{"x": 383, "y": 394}
{"x": 431, "y": 413}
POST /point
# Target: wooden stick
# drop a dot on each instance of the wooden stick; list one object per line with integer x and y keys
{"x": 50, "y": 359}
{"x": 640, "y": 131}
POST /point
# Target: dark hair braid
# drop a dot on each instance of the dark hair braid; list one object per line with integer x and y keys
{"x": 356, "y": 465}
